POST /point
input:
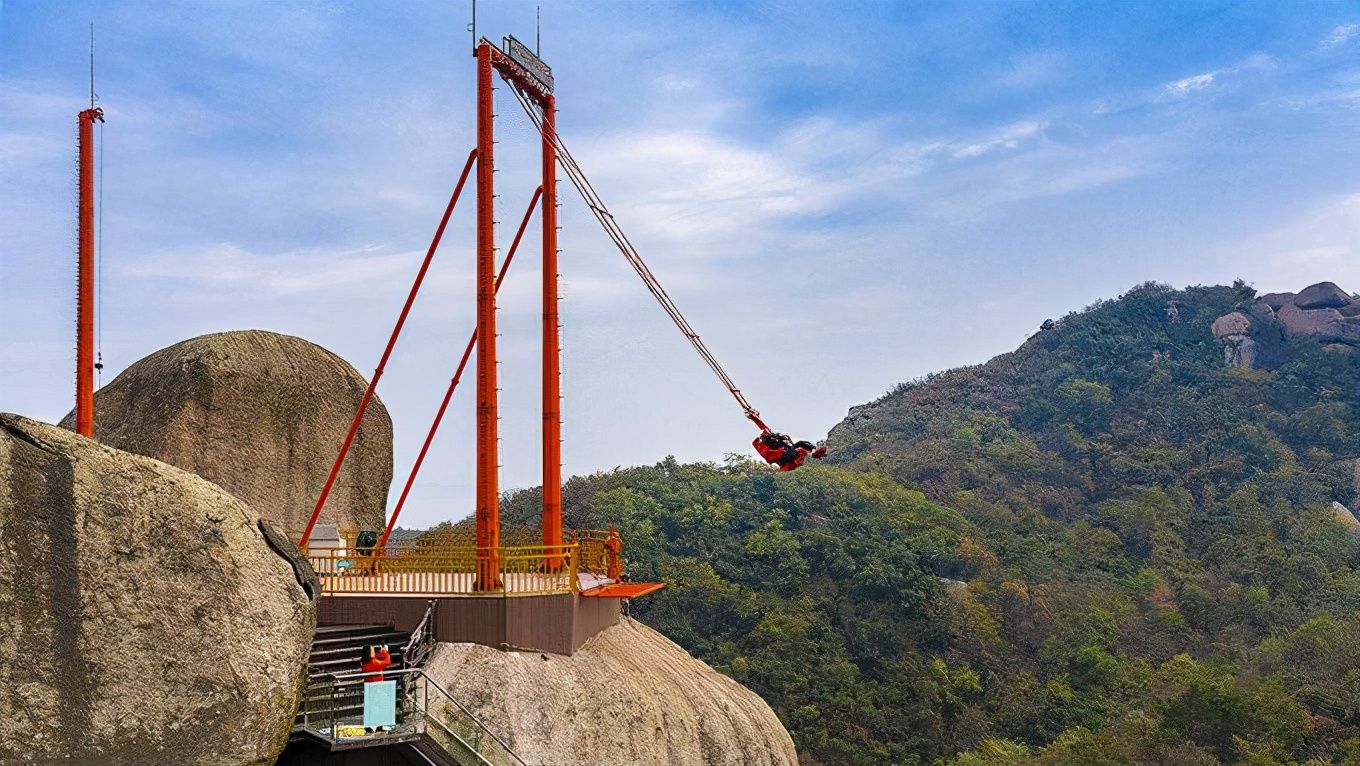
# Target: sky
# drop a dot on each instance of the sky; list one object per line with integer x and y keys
{"x": 840, "y": 196}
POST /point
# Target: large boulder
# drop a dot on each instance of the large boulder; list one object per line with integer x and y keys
{"x": 1232, "y": 324}
{"x": 1323, "y": 295}
{"x": 144, "y": 619}
{"x": 628, "y": 697}
{"x": 1327, "y": 325}
{"x": 261, "y": 414}
{"x": 1276, "y": 300}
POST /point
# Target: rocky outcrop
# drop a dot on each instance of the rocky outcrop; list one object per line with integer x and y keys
{"x": 1323, "y": 295}
{"x": 628, "y": 697}
{"x": 1323, "y": 312}
{"x": 1347, "y": 519}
{"x": 1326, "y": 324}
{"x": 144, "y": 619}
{"x": 1232, "y": 324}
{"x": 1239, "y": 350}
{"x": 260, "y": 414}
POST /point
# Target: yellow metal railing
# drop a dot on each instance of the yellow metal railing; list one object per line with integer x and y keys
{"x": 436, "y": 567}
{"x": 594, "y": 550}
{"x": 448, "y": 562}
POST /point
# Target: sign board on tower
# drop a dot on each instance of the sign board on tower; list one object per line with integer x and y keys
{"x": 531, "y": 63}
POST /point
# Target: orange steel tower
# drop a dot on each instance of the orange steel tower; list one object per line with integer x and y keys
{"x": 85, "y": 275}
{"x": 526, "y": 73}
{"x": 532, "y": 80}
{"x": 552, "y": 398}
{"x": 488, "y": 463}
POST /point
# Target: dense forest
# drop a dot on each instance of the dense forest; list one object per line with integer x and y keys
{"x": 1107, "y": 547}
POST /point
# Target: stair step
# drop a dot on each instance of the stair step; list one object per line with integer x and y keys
{"x": 388, "y": 636}
{"x": 345, "y": 651}
{"x": 346, "y": 626}
{"x": 347, "y": 657}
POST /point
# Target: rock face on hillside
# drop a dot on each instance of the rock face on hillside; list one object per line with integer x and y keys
{"x": 628, "y": 697}
{"x": 144, "y": 619}
{"x": 1348, "y": 519}
{"x": 1322, "y": 311}
{"x": 261, "y": 414}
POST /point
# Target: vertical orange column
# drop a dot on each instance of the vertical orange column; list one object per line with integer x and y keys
{"x": 488, "y": 491}
{"x": 85, "y": 278}
{"x": 552, "y": 397}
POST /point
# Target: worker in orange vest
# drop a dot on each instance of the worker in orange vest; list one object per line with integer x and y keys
{"x": 782, "y": 451}
{"x": 379, "y": 658}
{"x": 613, "y": 545}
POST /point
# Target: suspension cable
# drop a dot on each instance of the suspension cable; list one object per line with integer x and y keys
{"x": 621, "y": 241}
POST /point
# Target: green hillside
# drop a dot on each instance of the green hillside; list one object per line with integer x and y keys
{"x": 1105, "y": 547}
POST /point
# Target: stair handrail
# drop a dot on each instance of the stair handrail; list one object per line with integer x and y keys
{"x": 421, "y": 642}
{"x": 340, "y": 678}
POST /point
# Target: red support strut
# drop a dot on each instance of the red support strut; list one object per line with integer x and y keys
{"x": 453, "y": 384}
{"x": 387, "y": 353}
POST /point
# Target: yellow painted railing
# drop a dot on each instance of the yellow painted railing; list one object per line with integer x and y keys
{"x": 447, "y": 568}
{"x": 594, "y": 557}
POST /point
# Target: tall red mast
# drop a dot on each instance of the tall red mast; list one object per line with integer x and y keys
{"x": 85, "y": 276}
{"x": 552, "y": 398}
{"x": 488, "y": 453}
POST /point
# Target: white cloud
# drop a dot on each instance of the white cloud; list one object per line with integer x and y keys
{"x": 1187, "y": 85}
{"x": 1009, "y": 137}
{"x": 295, "y": 273}
{"x": 1341, "y": 35}
{"x": 1192, "y": 83}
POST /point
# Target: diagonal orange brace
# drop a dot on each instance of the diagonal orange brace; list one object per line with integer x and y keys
{"x": 453, "y": 384}
{"x": 387, "y": 353}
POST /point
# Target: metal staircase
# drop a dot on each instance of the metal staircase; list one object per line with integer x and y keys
{"x": 432, "y": 726}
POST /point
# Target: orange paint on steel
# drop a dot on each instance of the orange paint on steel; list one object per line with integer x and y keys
{"x": 85, "y": 277}
{"x": 488, "y": 454}
{"x": 387, "y": 353}
{"x": 552, "y": 396}
{"x": 623, "y": 590}
{"x": 453, "y": 383}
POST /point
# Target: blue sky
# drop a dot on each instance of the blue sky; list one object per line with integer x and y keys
{"x": 841, "y": 196}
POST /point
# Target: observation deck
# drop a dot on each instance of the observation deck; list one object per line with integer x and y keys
{"x": 525, "y": 595}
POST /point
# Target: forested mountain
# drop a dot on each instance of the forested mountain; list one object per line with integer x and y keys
{"x": 1109, "y": 546}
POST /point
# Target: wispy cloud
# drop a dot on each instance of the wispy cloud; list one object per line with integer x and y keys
{"x": 1205, "y": 80}
{"x": 1009, "y": 137}
{"x": 1341, "y": 35}
{"x": 1193, "y": 83}
{"x": 228, "y": 266}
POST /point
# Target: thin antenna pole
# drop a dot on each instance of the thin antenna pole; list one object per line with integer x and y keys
{"x": 473, "y": 27}
{"x": 91, "y": 65}
{"x": 538, "y": 31}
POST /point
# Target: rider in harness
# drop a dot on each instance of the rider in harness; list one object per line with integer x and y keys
{"x": 782, "y": 451}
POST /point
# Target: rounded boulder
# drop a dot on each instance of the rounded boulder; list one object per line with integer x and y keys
{"x": 628, "y": 697}
{"x": 261, "y": 414}
{"x": 146, "y": 618}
